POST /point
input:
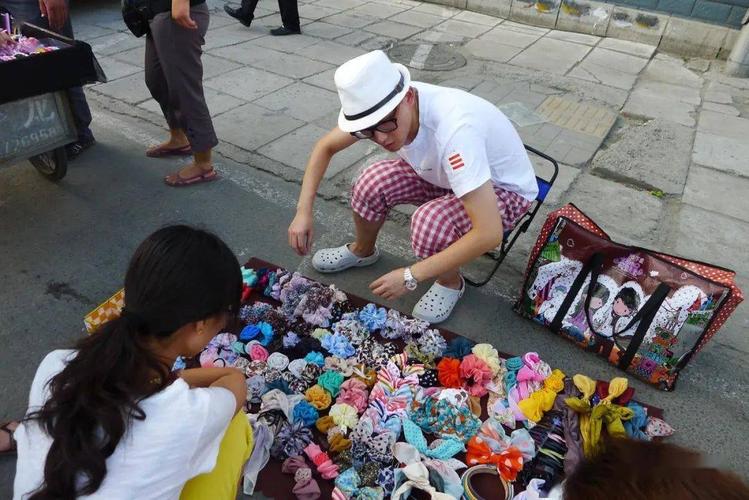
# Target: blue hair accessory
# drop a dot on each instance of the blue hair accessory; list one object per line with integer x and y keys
{"x": 249, "y": 277}
{"x": 305, "y": 413}
{"x": 636, "y": 425}
{"x": 238, "y": 347}
{"x": 315, "y": 357}
{"x": 290, "y": 340}
{"x": 458, "y": 348}
{"x": 372, "y": 317}
{"x": 280, "y": 384}
{"x": 441, "y": 449}
{"x": 266, "y": 330}
{"x": 338, "y": 344}
{"x": 249, "y": 332}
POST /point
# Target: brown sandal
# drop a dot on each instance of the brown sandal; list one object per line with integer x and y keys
{"x": 5, "y": 427}
{"x": 164, "y": 152}
{"x": 180, "y": 181}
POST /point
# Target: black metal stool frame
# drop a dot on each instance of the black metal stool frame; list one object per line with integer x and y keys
{"x": 522, "y": 225}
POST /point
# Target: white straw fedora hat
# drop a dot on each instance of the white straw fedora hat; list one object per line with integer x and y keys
{"x": 369, "y": 87}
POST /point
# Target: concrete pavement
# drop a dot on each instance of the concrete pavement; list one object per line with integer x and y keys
{"x": 625, "y": 121}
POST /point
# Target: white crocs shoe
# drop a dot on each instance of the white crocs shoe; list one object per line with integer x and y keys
{"x": 436, "y": 305}
{"x": 332, "y": 260}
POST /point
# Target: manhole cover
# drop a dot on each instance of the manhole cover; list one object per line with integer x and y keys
{"x": 427, "y": 56}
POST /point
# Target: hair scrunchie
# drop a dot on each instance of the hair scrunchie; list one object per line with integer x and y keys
{"x": 278, "y": 360}
{"x": 291, "y": 440}
{"x": 448, "y": 373}
{"x": 458, "y": 348}
{"x": 305, "y": 487}
{"x": 476, "y": 374}
{"x": 256, "y": 351}
{"x": 318, "y": 397}
{"x": 305, "y": 413}
{"x": 338, "y": 443}
{"x": 331, "y": 381}
{"x": 489, "y": 355}
{"x": 325, "y": 466}
{"x": 354, "y": 393}
{"x": 344, "y": 416}
{"x": 323, "y": 424}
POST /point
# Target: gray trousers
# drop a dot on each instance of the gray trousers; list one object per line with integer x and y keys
{"x": 174, "y": 75}
{"x": 28, "y": 11}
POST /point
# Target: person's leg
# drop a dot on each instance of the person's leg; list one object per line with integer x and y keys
{"x": 81, "y": 110}
{"x": 245, "y": 13}
{"x": 184, "y": 75}
{"x": 380, "y": 187}
{"x": 438, "y": 223}
{"x": 289, "y": 17}
{"x": 222, "y": 482}
{"x": 159, "y": 89}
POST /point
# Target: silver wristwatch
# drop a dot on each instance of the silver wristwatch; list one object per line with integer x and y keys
{"x": 409, "y": 280}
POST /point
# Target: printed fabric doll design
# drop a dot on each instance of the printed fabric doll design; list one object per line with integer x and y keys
{"x": 626, "y": 303}
{"x": 576, "y": 323}
{"x": 548, "y": 290}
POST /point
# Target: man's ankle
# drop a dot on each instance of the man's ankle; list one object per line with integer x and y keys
{"x": 360, "y": 251}
{"x": 454, "y": 283}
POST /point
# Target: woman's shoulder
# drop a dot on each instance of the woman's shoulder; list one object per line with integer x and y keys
{"x": 54, "y": 362}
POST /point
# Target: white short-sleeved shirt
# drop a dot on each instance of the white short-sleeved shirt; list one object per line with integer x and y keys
{"x": 464, "y": 141}
{"x": 178, "y": 440}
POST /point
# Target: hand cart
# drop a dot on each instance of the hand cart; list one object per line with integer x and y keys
{"x": 37, "y": 129}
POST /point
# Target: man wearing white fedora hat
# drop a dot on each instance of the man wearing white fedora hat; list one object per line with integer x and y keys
{"x": 459, "y": 159}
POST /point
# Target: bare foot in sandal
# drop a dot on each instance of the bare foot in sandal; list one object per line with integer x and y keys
{"x": 7, "y": 443}
{"x": 177, "y": 145}
{"x": 191, "y": 174}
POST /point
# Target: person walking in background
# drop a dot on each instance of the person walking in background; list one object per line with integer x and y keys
{"x": 54, "y": 15}
{"x": 174, "y": 76}
{"x": 289, "y": 16}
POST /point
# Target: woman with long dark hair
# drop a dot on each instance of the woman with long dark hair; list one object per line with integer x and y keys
{"x": 110, "y": 419}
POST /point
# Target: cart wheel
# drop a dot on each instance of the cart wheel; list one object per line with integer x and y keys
{"x": 53, "y": 164}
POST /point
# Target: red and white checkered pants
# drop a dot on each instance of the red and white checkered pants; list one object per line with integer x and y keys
{"x": 440, "y": 219}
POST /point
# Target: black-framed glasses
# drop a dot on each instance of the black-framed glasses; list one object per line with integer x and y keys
{"x": 385, "y": 126}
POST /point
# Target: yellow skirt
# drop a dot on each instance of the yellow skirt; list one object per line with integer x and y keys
{"x": 222, "y": 482}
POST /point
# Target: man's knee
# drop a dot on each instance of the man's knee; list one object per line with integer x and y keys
{"x": 431, "y": 230}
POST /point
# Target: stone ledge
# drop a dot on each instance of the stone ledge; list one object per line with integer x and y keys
{"x": 672, "y": 34}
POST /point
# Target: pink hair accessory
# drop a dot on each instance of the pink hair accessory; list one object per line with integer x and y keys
{"x": 476, "y": 374}
{"x": 325, "y": 466}
{"x": 354, "y": 393}
{"x": 257, "y": 352}
{"x": 306, "y": 488}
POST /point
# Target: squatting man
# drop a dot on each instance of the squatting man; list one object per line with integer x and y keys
{"x": 458, "y": 158}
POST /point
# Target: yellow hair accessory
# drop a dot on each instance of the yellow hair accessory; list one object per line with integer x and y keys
{"x": 324, "y": 424}
{"x": 318, "y": 397}
{"x": 617, "y": 386}
{"x": 489, "y": 355}
{"x": 542, "y": 400}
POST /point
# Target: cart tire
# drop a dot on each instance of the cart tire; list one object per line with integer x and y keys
{"x": 53, "y": 164}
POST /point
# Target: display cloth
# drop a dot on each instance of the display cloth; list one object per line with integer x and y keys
{"x": 379, "y": 404}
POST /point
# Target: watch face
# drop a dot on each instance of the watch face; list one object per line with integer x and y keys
{"x": 411, "y": 284}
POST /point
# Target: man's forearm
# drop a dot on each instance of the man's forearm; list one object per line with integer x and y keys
{"x": 313, "y": 174}
{"x": 462, "y": 251}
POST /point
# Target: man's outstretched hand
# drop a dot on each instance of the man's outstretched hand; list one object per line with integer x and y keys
{"x": 56, "y": 12}
{"x": 300, "y": 233}
{"x": 390, "y": 286}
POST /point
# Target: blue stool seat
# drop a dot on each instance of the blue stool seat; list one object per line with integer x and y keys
{"x": 543, "y": 189}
